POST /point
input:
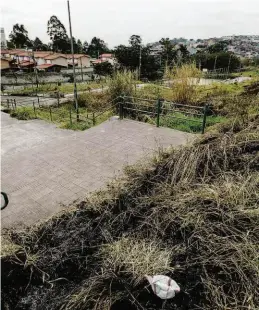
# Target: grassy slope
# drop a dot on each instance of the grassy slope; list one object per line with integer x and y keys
{"x": 192, "y": 214}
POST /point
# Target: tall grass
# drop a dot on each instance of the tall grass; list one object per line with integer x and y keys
{"x": 183, "y": 81}
{"x": 121, "y": 83}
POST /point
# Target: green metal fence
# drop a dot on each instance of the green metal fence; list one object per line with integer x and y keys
{"x": 159, "y": 109}
{"x": 41, "y": 105}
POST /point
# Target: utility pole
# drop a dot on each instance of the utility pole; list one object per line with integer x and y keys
{"x": 229, "y": 63}
{"x": 35, "y": 71}
{"x": 73, "y": 62}
{"x": 215, "y": 63}
{"x": 140, "y": 55}
{"x": 81, "y": 69}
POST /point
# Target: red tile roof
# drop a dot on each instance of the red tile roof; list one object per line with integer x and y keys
{"x": 45, "y": 66}
{"x": 106, "y": 55}
{"x": 54, "y": 56}
{"x": 41, "y": 54}
{"x": 5, "y": 51}
{"x": 25, "y": 53}
{"x": 97, "y": 61}
{"x": 26, "y": 63}
{"x": 76, "y": 56}
{"x": 15, "y": 52}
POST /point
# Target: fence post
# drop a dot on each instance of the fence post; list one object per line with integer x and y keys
{"x": 15, "y": 103}
{"x": 8, "y": 104}
{"x": 58, "y": 98}
{"x": 38, "y": 101}
{"x": 70, "y": 116}
{"x": 34, "y": 109}
{"x": 50, "y": 114}
{"x": 158, "y": 112}
{"x": 94, "y": 120}
{"x": 205, "y": 111}
{"x": 12, "y": 104}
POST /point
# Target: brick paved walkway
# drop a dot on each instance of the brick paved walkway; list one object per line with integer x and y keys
{"x": 44, "y": 168}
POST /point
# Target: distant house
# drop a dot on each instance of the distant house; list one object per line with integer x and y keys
{"x": 96, "y": 61}
{"x": 23, "y": 56}
{"x": 40, "y": 56}
{"x": 5, "y": 64}
{"x": 81, "y": 60}
{"x": 49, "y": 67}
{"x": 107, "y": 57}
{"x": 26, "y": 65}
{"x": 5, "y": 53}
{"x": 56, "y": 59}
{"x": 14, "y": 53}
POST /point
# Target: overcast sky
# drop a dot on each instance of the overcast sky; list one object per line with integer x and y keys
{"x": 115, "y": 20}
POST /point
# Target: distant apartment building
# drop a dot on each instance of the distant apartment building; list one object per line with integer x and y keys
{"x": 3, "y": 39}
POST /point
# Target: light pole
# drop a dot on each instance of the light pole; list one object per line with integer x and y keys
{"x": 140, "y": 56}
{"x": 73, "y": 62}
{"x": 229, "y": 63}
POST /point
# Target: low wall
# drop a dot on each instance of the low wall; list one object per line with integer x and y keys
{"x": 46, "y": 77}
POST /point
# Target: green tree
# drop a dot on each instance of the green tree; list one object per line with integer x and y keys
{"x": 58, "y": 35}
{"x": 19, "y": 36}
{"x": 97, "y": 47}
{"x": 79, "y": 46}
{"x": 10, "y": 44}
{"x": 103, "y": 68}
{"x": 184, "y": 53}
{"x": 218, "y": 47}
{"x": 129, "y": 58}
{"x": 85, "y": 47}
{"x": 169, "y": 52}
{"x": 135, "y": 40}
{"x": 222, "y": 60}
{"x": 38, "y": 45}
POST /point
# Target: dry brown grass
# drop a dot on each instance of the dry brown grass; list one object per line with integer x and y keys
{"x": 193, "y": 212}
{"x": 184, "y": 80}
{"x": 136, "y": 257}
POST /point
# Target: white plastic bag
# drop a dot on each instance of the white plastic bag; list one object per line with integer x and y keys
{"x": 163, "y": 286}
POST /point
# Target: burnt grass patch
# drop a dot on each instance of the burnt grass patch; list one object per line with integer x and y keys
{"x": 191, "y": 213}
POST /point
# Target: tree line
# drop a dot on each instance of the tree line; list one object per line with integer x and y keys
{"x": 133, "y": 56}
{"x": 59, "y": 40}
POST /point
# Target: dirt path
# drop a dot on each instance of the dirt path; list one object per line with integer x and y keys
{"x": 45, "y": 168}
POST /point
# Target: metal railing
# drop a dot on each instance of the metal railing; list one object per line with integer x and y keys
{"x": 38, "y": 104}
{"x": 126, "y": 107}
{"x": 130, "y": 106}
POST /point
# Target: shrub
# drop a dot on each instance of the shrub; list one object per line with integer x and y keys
{"x": 93, "y": 101}
{"x": 121, "y": 83}
{"x": 184, "y": 80}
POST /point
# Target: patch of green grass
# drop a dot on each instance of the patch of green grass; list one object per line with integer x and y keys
{"x": 254, "y": 73}
{"x": 23, "y": 113}
{"x": 61, "y": 116}
{"x": 81, "y": 125}
{"x": 192, "y": 124}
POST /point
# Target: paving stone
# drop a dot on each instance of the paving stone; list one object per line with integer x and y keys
{"x": 45, "y": 169}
